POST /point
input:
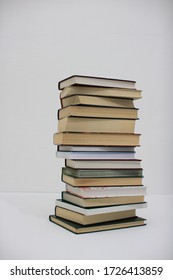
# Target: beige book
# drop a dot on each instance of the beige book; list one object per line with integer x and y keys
{"x": 75, "y": 124}
{"x": 97, "y": 139}
{"x": 101, "y": 91}
{"x": 98, "y": 112}
{"x": 81, "y": 182}
{"x": 97, "y": 101}
{"x": 92, "y": 219}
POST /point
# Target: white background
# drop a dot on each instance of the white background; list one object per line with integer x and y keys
{"x": 45, "y": 41}
{"x": 42, "y": 42}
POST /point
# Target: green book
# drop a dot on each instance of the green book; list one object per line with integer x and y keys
{"x": 77, "y": 228}
{"x": 100, "y": 173}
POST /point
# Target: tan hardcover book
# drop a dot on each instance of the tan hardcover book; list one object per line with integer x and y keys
{"x": 101, "y": 91}
{"x": 97, "y": 139}
{"x": 92, "y": 219}
{"x": 102, "y": 201}
{"x": 97, "y": 101}
{"x": 75, "y": 124}
{"x": 98, "y": 112}
{"x": 125, "y": 181}
{"x": 78, "y": 228}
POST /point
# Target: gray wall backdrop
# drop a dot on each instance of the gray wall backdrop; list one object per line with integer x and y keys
{"x": 42, "y": 42}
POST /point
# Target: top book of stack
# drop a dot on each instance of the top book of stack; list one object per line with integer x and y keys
{"x": 97, "y": 86}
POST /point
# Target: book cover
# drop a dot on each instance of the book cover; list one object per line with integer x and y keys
{"x": 92, "y": 219}
{"x": 113, "y": 181}
{"x": 100, "y": 209}
{"x": 96, "y": 139}
{"x": 103, "y": 164}
{"x": 100, "y": 91}
{"x": 102, "y": 173}
{"x": 97, "y": 101}
{"x": 86, "y": 155}
{"x": 106, "y": 191}
{"x": 83, "y": 124}
{"x": 95, "y": 81}
{"x": 78, "y": 229}
{"x": 97, "y": 112}
{"x": 103, "y": 201}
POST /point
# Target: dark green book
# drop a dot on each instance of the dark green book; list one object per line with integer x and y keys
{"x": 102, "y": 173}
{"x": 77, "y": 228}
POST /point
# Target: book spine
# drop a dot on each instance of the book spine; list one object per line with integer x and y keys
{"x": 58, "y": 114}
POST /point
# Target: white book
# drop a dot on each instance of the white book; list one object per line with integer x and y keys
{"x": 103, "y": 164}
{"x": 99, "y": 210}
{"x": 106, "y": 191}
{"x": 95, "y": 155}
{"x": 94, "y": 149}
{"x": 96, "y": 81}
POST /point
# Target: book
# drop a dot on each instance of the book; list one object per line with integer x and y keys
{"x": 102, "y": 201}
{"x": 101, "y": 209}
{"x": 97, "y": 101}
{"x": 78, "y": 228}
{"x": 103, "y": 164}
{"x": 94, "y": 149}
{"x": 82, "y": 124}
{"x": 97, "y": 112}
{"x": 106, "y": 191}
{"x": 101, "y": 91}
{"x": 89, "y": 182}
{"x": 95, "y": 155}
{"x": 92, "y": 219}
{"x": 95, "y": 81}
{"x": 96, "y": 139}
{"x": 102, "y": 173}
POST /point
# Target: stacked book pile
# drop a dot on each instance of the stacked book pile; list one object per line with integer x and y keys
{"x": 96, "y": 137}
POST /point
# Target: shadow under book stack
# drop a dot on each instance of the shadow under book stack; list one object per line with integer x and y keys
{"x": 96, "y": 137}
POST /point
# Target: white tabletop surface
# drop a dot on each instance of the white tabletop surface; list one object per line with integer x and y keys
{"x": 26, "y": 232}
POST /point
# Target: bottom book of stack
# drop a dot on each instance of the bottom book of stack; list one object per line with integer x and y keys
{"x": 84, "y": 215}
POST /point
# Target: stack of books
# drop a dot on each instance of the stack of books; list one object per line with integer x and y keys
{"x": 96, "y": 137}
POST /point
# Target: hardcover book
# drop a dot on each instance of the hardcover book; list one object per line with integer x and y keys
{"x": 94, "y": 149}
{"x": 106, "y": 191}
{"x": 88, "y": 182}
{"x": 100, "y": 91}
{"x": 103, "y": 164}
{"x": 83, "y": 124}
{"x": 97, "y": 112}
{"x": 95, "y": 81}
{"x": 101, "y": 209}
{"x": 102, "y": 173}
{"x": 97, "y": 101}
{"x": 78, "y": 228}
{"x": 102, "y": 201}
{"x": 95, "y": 155}
{"x": 96, "y": 139}
{"x": 92, "y": 219}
